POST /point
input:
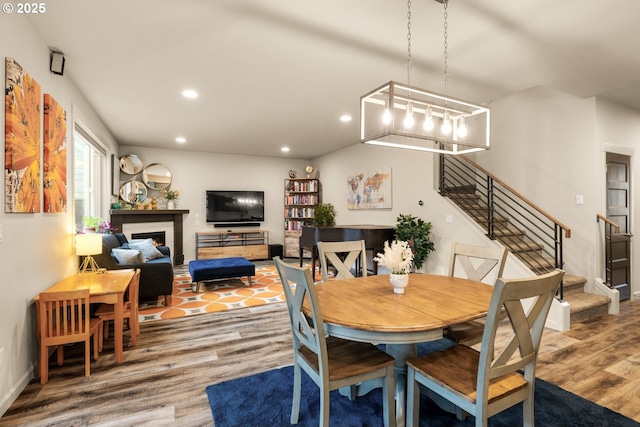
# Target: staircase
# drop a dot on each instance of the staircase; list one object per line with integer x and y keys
{"x": 516, "y": 240}
{"x": 530, "y": 234}
{"x": 584, "y": 306}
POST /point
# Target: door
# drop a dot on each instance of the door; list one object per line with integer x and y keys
{"x": 618, "y": 249}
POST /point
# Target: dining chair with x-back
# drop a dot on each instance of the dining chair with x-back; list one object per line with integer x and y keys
{"x": 65, "y": 319}
{"x": 500, "y": 375}
{"x": 483, "y": 264}
{"x": 331, "y": 362}
{"x": 344, "y": 257}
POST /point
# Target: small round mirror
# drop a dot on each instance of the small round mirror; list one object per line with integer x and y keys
{"x": 130, "y": 164}
{"x": 133, "y": 191}
{"x": 157, "y": 176}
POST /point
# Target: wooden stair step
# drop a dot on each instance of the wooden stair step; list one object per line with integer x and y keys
{"x": 522, "y": 246}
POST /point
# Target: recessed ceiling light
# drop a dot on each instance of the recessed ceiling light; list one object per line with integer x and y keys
{"x": 345, "y": 118}
{"x": 285, "y": 149}
{"x": 181, "y": 139}
{"x": 190, "y": 93}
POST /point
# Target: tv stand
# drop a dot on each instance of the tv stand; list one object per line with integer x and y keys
{"x": 249, "y": 244}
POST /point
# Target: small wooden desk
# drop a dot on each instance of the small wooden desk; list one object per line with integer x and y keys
{"x": 366, "y": 309}
{"x": 107, "y": 288}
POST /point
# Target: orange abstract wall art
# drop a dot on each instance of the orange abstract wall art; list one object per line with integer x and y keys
{"x": 55, "y": 156}
{"x": 22, "y": 140}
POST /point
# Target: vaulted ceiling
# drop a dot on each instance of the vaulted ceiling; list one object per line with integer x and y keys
{"x": 281, "y": 72}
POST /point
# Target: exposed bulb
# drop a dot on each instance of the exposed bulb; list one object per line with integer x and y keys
{"x": 409, "y": 121}
{"x": 386, "y": 117}
{"x": 462, "y": 128}
{"x": 428, "y": 120}
{"x": 446, "y": 124}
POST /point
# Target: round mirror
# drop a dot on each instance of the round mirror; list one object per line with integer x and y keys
{"x": 157, "y": 176}
{"x": 133, "y": 191}
{"x": 130, "y": 164}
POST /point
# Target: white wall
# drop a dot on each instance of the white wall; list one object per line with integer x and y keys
{"x": 414, "y": 179}
{"x": 544, "y": 146}
{"x": 196, "y": 172}
{"x": 618, "y": 131}
{"x": 36, "y": 249}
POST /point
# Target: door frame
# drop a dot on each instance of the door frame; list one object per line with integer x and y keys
{"x": 629, "y": 152}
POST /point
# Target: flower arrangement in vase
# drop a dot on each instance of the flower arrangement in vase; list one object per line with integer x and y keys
{"x": 397, "y": 257}
{"x": 171, "y": 196}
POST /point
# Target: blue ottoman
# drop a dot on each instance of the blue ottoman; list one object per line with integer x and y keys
{"x": 202, "y": 270}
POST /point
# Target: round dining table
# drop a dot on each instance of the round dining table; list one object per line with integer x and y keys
{"x": 366, "y": 309}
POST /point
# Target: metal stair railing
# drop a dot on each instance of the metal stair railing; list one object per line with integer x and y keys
{"x": 610, "y": 228}
{"x": 530, "y": 233}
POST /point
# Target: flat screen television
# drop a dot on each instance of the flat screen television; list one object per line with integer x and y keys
{"x": 235, "y": 206}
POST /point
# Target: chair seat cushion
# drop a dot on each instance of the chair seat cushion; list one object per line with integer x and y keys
{"x": 457, "y": 368}
{"x": 220, "y": 268}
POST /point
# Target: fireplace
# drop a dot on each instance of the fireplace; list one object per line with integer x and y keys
{"x": 158, "y": 237}
{"x": 119, "y": 217}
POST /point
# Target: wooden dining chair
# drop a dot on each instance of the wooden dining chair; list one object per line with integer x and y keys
{"x": 106, "y": 312}
{"x": 480, "y": 263}
{"x": 483, "y": 383}
{"x": 331, "y": 362}
{"x": 64, "y": 318}
{"x": 343, "y": 257}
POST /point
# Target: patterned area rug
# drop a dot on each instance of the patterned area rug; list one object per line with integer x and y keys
{"x": 213, "y": 296}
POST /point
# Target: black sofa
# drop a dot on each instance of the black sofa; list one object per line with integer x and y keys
{"x": 156, "y": 275}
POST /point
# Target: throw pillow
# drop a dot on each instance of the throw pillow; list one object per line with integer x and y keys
{"x": 127, "y": 256}
{"x": 146, "y": 246}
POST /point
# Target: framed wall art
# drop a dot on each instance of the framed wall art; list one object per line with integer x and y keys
{"x": 55, "y": 156}
{"x": 22, "y": 140}
{"x": 369, "y": 190}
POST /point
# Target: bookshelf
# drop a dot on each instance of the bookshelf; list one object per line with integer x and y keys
{"x": 300, "y": 195}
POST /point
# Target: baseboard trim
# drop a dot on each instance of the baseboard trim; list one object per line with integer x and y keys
{"x": 8, "y": 399}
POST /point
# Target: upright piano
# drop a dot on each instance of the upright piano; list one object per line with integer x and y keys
{"x": 374, "y": 237}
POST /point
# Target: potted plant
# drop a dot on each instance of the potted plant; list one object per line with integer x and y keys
{"x": 398, "y": 258}
{"x": 171, "y": 196}
{"x": 415, "y": 231}
{"x": 91, "y": 223}
{"x": 324, "y": 215}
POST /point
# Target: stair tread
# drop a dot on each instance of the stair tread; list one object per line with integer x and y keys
{"x": 581, "y": 301}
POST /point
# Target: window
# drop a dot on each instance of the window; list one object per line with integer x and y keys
{"x": 89, "y": 176}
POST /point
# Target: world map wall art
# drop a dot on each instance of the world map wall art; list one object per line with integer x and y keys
{"x": 21, "y": 140}
{"x": 369, "y": 190}
{"x": 55, "y": 156}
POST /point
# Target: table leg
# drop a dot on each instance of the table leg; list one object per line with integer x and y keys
{"x": 118, "y": 328}
{"x": 401, "y": 352}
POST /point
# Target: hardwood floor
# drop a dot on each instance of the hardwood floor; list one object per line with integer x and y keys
{"x": 163, "y": 379}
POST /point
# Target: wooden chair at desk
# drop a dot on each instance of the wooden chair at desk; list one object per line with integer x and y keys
{"x": 480, "y": 263}
{"x": 65, "y": 319}
{"x": 342, "y": 256}
{"x": 106, "y": 312}
{"x": 486, "y": 382}
{"x": 331, "y": 362}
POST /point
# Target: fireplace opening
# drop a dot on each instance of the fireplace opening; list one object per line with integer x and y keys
{"x": 157, "y": 236}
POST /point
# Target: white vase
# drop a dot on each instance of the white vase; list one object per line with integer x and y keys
{"x": 399, "y": 282}
{"x": 171, "y": 204}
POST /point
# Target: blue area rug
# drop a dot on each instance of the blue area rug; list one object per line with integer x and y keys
{"x": 265, "y": 400}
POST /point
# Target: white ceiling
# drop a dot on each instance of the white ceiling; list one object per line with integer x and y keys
{"x": 281, "y": 72}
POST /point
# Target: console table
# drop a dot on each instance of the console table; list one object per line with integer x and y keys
{"x": 131, "y": 216}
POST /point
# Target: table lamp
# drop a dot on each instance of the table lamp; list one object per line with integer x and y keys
{"x": 88, "y": 245}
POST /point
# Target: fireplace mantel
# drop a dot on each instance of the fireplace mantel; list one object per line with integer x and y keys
{"x": 130, "y": 216}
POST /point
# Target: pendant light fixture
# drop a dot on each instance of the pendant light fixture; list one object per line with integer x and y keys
{"x": 390, "y": 114}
